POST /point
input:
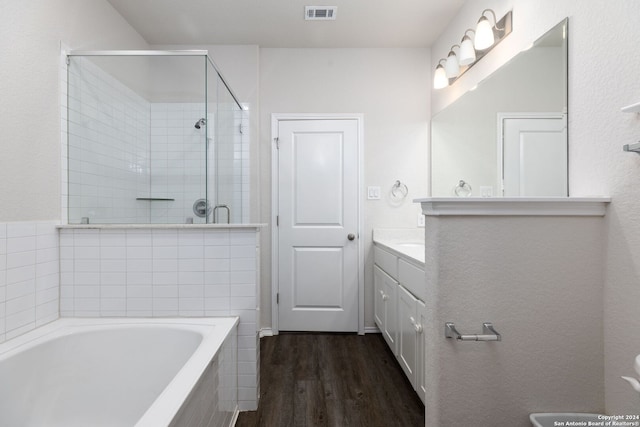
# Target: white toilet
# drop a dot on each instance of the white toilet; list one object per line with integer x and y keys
{"x": 550, "y": 419}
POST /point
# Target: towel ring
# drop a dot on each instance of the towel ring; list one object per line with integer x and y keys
{"x": 399, "y": 190}
{"x": 463, "y": 189}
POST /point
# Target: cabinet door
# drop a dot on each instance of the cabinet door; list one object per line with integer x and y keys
{"x": 388, "y": 309}
{"x": 378, "y": 308}
{"x": 408, "y": 337}
{"x": 421, "y": 360}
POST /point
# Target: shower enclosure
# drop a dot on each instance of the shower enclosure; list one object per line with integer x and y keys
{"x": 154, "y": 137}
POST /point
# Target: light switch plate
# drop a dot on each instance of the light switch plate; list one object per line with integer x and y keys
{"x": 373, "y": 193}
{"x": 486, "y": 191}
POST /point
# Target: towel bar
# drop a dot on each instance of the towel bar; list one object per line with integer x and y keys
{"x": 488, "y": 333}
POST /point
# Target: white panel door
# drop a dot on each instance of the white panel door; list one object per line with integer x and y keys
{"x": 318, "y": 225}
{"x": 535, "y": 157}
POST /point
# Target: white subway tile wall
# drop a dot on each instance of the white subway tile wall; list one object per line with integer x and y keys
{"x": 167, "y": 273}
{"x": 230, "y": 155}
{"x": 178, "y": 161}
{"x": 29, "y": 276}
{"x": 108, "y": 147}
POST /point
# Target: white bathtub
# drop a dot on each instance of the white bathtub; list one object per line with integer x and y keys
{"x": 121, "y": 372}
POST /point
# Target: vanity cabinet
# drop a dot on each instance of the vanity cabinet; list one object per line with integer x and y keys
{"x": 400, "y": 312}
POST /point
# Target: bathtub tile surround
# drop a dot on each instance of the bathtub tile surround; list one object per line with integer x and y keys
{"x": 167, "y": 271}
{"x": 29, "y": 277}
{"x": 213, "y": 401}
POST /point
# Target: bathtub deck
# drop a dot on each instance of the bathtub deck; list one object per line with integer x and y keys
{"x": 332, "y": 380}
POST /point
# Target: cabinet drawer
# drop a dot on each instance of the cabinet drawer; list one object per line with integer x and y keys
{"x": 412, "y": 278}
{"x": 386, "y": 261}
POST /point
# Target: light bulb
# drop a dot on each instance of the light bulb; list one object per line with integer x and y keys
{"x": 484, "y": 34}
{"x": 467, "y": 51}
{"x": 451, "y": 67}
{"x": 440, "y": 78}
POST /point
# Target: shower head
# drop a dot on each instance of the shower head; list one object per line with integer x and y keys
{"x": 200, "y": 123}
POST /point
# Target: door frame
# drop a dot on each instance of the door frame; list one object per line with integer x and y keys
{"x": 500, "y": 139}
{"x": 275, "y": 119}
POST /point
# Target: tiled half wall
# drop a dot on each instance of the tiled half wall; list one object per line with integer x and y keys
{"x": 167, "y": 272}
{"x": 29, "y": 276}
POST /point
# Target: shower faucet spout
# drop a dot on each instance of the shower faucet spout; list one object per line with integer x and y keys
{"x": 215, "y": 213}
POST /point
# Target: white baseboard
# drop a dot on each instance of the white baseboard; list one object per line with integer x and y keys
{"x": 266, "y": 332}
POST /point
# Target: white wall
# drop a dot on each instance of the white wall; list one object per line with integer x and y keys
{"x": 390, "y": 87}
{"x": 547, "y": 306}
{"x": 600, "y": 34}
{"x": 30, "y": 36}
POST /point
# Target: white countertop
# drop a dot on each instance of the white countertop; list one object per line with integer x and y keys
{"x": 514, "y": 206}
{"x": 406, "y": 243}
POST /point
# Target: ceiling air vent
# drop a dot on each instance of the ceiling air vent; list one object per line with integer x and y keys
{"x": 320, "y": 13}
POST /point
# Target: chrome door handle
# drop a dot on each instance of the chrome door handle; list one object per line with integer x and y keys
{"x": 351, "y": 236}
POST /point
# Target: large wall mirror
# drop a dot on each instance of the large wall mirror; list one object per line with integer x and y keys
{"x": 508, "y": 136}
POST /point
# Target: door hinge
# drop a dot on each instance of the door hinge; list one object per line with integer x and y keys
{"x": 277, "y": 220}
{"x": 278, "y": 298}
{"x": 277, "y": 141}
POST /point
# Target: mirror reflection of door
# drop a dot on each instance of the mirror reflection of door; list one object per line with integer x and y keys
{"x": 534, "y": 154}
{"x": 464, "y": 133}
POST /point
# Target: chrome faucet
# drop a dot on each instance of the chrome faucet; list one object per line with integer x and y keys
{"x": 215, "y": 213}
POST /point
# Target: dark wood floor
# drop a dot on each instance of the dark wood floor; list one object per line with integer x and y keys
{"x": 332, "y": 380}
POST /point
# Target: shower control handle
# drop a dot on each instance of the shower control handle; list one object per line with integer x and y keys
{"x": 351, "y": 236}
{"x": 201, "y": 208}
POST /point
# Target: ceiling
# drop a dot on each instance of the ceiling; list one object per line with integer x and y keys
{"x": 280, "y": 23}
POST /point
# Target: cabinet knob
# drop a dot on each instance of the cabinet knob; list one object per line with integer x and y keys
{"x": 416, "y": 325}
{"x": 385, "y": 297}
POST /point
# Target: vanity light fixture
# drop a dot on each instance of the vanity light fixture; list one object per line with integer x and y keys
{"x": 486, "y": 37}
{"x": 440, "y": 79}
{"x": 467, "y": 51}
{"x": 484, "y": 31}
{"x": 451, "y": 66}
